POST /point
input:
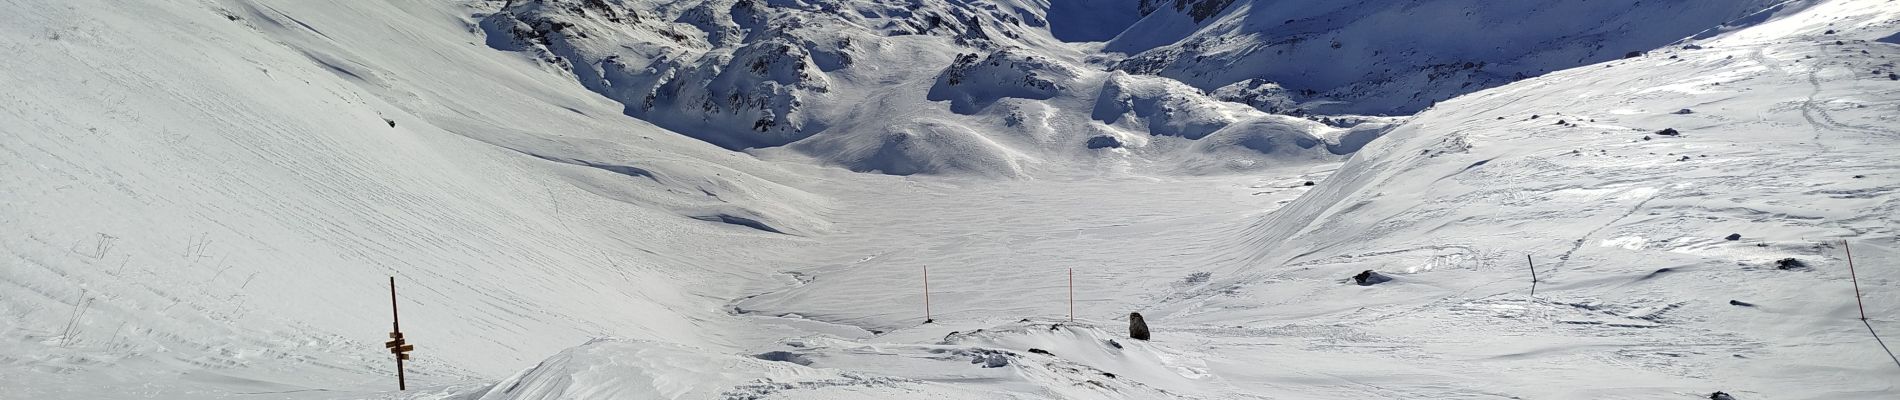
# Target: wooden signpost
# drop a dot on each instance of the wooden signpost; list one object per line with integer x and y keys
{"x": 396, "y": 345}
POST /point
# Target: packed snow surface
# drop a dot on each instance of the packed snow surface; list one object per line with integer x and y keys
{"x": 743, "y": 199}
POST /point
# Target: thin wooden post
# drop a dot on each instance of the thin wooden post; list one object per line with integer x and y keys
{"x": 395, "y": 333}
{"x": 1856, "y": 279}
{"x": 1533, "y": 264}
{"x": 1071, "y": 294}
{"x": 927, "y": 318}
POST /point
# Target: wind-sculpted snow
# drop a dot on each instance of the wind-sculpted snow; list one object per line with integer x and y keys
{"x": 1166, "y": 107}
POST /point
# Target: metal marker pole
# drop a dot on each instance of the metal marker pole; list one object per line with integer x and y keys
{"x": 1856, "y": 278}
{"x": 1533, "y": 264}
{"x": 927, "y": 318}
{"x": 395, "y": 329}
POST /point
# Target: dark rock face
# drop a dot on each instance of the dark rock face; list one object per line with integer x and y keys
{"x": 1720, "y": 396}
{"x": 1199, "y": 9}
{"x": 1104, "y": 142}
{"x": 1369, "y": 278}
{"x": 1734, "y": 236}
{"x": 1669, "y": 132}
{"x": 1137, "y": 328}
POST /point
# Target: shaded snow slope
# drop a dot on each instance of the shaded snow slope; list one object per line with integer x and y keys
{"x": 1397, "y": 57}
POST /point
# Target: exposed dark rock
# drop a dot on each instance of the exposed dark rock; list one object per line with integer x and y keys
{"x": 1684, "y": 111}
{"x": 783, "y": 356}
{"x": 1137, "y": 328}
{"x": 1735, "y": 236}
{"x": 1104, "y": 141}
{"x": 1369, "y": 278}
{"x": 1669, "y": 132}
{"x": 1040, "y": 351}
{"x": 1633, "y": 54}
{"x": 1308, "y": 183}
{"x": 1725, "y": 396}
{"x": 1790, "y": 263}
{"x": 1740, "y": 303}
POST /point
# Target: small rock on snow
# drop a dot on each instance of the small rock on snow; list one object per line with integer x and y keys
{"x": 1369, "y": 278}
{"x": 1790, "y": 263}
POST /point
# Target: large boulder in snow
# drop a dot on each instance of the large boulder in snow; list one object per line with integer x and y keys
{"x": 1137, "y": 327}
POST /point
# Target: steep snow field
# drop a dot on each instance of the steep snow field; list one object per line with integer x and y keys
{"x": 204, "y": 199}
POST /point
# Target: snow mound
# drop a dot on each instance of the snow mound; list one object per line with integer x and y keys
{"x": 1053, "y": 360}
{"x": 637, "y": 369}
{"x": 1231, "y": 132}
{"x": 922, "y": 147}
{"x": 973, "y": 82}
{"x": 1164, "y": 107}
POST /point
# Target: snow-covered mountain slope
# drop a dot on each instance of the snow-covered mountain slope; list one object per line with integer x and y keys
{"x": 1397, "y": 57}
{"x": 1628, "y": 235}
{"x": 204, "y": 199}
{"x": 808, "y": 76}
{"x": 1787, "y": 137}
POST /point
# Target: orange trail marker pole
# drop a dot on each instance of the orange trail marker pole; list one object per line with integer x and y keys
{"x": 395, "y": 332}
